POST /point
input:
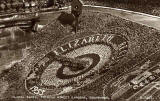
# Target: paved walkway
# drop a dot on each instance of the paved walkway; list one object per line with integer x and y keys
{"x": 141, "y": 18}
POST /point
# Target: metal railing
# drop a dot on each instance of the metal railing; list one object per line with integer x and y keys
{"x": 27, "y": 11}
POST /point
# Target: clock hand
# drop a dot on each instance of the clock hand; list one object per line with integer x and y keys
{"x": 71, "y": 63}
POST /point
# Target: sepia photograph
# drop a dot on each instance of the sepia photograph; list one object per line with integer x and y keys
{"x": 79, "y": 50}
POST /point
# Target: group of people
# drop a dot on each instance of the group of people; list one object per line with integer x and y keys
{"x": 22, "y": 5}
{"x": 16, "y": 5}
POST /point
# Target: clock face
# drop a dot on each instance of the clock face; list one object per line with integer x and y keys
{"x": 50, "y": 77}
{"x": 101, "y": 41}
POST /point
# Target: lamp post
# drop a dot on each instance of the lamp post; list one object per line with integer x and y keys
{"x": 76, "y": 10}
